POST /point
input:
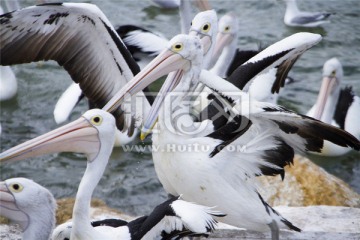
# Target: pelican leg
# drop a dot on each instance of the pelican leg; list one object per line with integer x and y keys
{"x": 274, "y": 230}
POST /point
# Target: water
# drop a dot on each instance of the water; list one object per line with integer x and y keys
{"x": 130, "y": 183}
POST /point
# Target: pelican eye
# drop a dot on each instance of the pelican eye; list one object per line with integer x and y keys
{"x": 96, "y": 120}
{"x": 333, "y": 73}
{"x": 191, "y": 23}
{"x": 227, "y": 29}
{"x": 16, "y": 187}
{"x": 206, "y": 27}
{"x": 177, "y": 47}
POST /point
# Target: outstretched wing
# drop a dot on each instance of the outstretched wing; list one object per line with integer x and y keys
{"x": 76, "y": 35}
{"x": 266, "y": 136}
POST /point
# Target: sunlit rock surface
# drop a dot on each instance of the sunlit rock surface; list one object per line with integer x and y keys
{"x": 307, "y": 184}
{"x": 98, "y": 211}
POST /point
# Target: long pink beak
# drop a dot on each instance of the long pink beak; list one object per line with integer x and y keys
{"x": 78, "y": 136}
{"x": 166, "y": 62}
{"x": 222, "y": 40}
{"x": 327, "y": 86}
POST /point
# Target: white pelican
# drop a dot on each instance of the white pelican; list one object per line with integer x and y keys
{"x": 263, "y": 75}
{"x": 30, "y": 205}
{"x": 296, "y": 18}
{"x": 80, "y": 38}
{"x": 204, "y": 24}
{"x": 213, "y": 173}
{"x": 336, "y": 106}
{"x": 226, "y": 56}
{"x": 93, "y": 134}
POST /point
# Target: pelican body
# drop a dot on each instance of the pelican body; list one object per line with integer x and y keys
{"x": 94, "y": 134}
{"x": 336, "y": 106}
{"x": 267, "y": 135}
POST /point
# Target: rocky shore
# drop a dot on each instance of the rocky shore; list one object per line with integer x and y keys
{"x": 323, "y": 206}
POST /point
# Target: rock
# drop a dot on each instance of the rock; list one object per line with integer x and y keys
{"x": 10, "y": 232}
{"x": 316, "y": 222}
{"x": 307, "y": 184}
{"x": 98, "y": 211}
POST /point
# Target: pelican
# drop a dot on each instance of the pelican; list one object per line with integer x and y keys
{"x": 30, "y": 205}
{"x": 93, "y": 134}
{"x": 296, "y": 18}
{"x": 336, "y": 106}
{"x": 204, "y": 24}
{"x": 80, "y": 38}
{"x": 226, "y": 57}
{"x": 212, "y": 174}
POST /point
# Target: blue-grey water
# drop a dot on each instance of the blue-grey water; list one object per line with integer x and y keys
{"x": 130, "y": 182}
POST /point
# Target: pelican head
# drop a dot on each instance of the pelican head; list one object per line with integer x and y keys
{"x": 182, "y": 52}
{"x": 29, "y": 205}
{"x": 205, "y": 26}
{"x": 227, "y": 33}
{"x": 330, "y": 87}
{"x": 192, "y": 51}
{"x": 91, "y": 133}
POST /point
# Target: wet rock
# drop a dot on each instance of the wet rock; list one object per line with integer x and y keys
{"x": 307, "y": 184}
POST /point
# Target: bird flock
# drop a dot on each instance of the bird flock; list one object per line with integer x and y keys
{"x": 216, "y": 97}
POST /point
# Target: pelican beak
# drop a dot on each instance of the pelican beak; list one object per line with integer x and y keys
{"x": 205, "y": 40}
{"x": 166, "y": 62}
{"x": 170, "y": 83}
{"x": 78, "y": 136}
{"x": 8, "y": 207}
{"x": 222, "y": 40}
{"x": 327, "y": 86}
{"x": 203, "y": 5}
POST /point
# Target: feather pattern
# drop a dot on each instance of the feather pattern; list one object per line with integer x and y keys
{"x": 76, "y": 35}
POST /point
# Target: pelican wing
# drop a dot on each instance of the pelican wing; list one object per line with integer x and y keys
{"x": 176, "y": 218}
{"x": 280, "y": 55}
{"x": 266, "y": 136}
{"x": 240, "y": 57}
{"x": 76, "y": 35}
{"x": 139, "y": 39}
